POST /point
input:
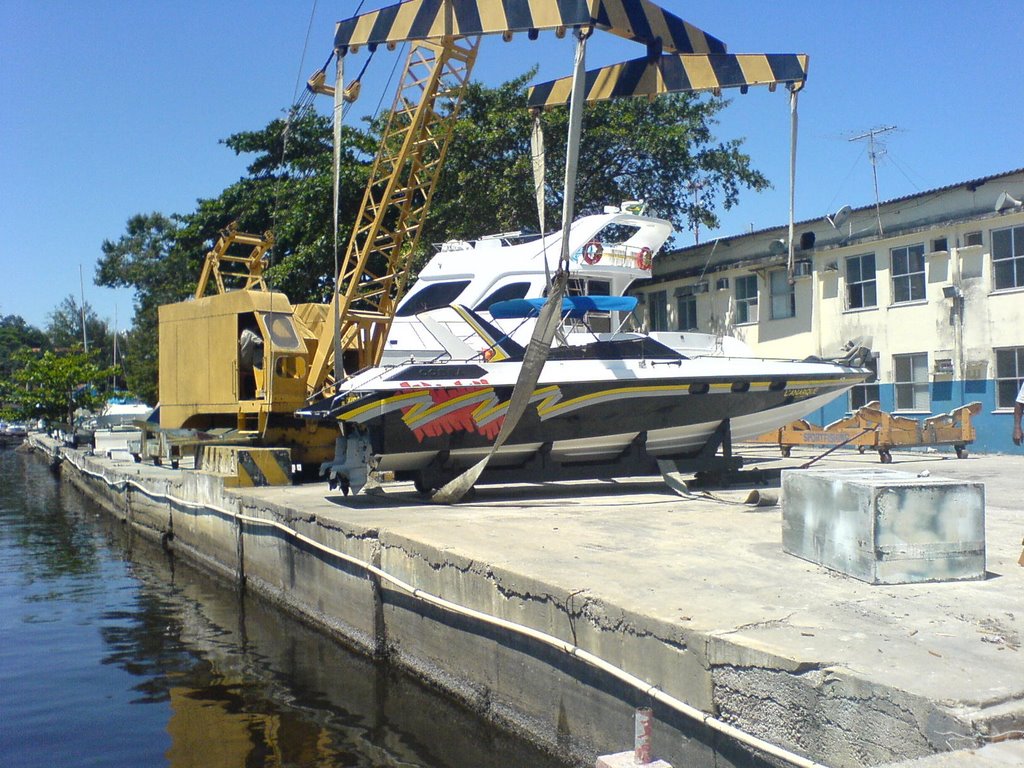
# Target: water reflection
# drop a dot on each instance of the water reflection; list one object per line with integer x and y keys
{"x": 119, "y": 656}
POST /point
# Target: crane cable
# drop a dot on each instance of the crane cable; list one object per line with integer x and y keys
{"x": 792, "y": 181}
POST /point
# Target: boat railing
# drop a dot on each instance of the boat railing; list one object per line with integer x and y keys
{"x": 497, "y": 240}
{"x": 594, "y": 253}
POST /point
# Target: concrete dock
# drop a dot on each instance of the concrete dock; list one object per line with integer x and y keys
{"x": 694, "y": 596}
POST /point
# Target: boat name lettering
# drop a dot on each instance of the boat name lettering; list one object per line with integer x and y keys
{"x": 456, "y": 383}
{"x": 801, "y": 392}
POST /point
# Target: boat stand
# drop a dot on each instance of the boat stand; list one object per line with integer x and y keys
{"x": 711, "y": 470}
{"x": 706, "y": 467}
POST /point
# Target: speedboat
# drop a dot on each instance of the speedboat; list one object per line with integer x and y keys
{"x": 624, "y": 398}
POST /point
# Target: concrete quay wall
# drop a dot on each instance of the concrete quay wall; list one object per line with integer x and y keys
{"x": 824, "y": 704}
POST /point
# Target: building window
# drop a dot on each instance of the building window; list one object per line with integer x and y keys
{"x": 972, "y": 238}
{"x": 686, "y": 312}
{"x": 657, "y": 311}
{"x": 940, "y": 244}
{"x": 860, "y": 282}
{"x": 1008, "y": 257}
{"x": 866, "y": 393}
{"x": 746, "y": 299}
{"x": 907, "y": 274}
{"x": 910, "y": 375}
{"x": 1009, "y": 375}
{"x": 783, "y": 295}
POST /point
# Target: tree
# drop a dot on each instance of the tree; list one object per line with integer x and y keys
{"x": 64, "y": 328}
{"x": 53, "y": 385}
{"x": 149, "y": 259}
{"x": 15, "y": 335}
{"x": 289, "y": 191}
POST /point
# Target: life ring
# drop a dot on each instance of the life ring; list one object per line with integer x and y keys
{"x": 645, "y": 258}
{"x": 592, "y": 252}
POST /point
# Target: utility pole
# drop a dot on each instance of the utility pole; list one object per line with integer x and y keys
{"x": 873, "y": 155}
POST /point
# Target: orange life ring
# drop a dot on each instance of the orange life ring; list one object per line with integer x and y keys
{"x": 645, "y": 258}
{"x": 592, "y": 252}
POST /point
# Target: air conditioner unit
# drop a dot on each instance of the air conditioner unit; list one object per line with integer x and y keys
{"x": 943, "y": 366}
{"x": 701, "y": 287}
{"x": 722, "y": 284}
{"x": 802, "y": 269}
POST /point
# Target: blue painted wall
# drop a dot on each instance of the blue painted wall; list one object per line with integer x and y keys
{"x": 993, "y": 430}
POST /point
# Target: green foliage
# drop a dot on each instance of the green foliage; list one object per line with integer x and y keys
{"x": 53, "y": 385}
{"x": 149, "y": 258}
{"x": 15, "y": 335}
{"x": 631, "y": 149}
{"x": 289, "y": 191}
{"x": 64, "y": 328}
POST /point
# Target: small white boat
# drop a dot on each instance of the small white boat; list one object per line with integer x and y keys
{"x": 115, "y": 426}
{"x": 608, "y": 253}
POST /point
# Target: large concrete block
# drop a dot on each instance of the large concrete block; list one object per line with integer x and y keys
{"x": 246, "y": 466}
{"x": 883, "y": 526}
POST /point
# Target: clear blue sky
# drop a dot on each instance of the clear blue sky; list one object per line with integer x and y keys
{"x": 109, "y": 108}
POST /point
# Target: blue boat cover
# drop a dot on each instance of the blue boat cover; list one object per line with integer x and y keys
{"x": 572, "y": 306}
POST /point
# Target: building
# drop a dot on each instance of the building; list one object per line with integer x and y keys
{"x": 935, "y": 282}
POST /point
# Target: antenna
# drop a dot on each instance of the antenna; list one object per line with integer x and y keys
{"x": 81, "y": 287}
{"x": 840, "y": 217}
{"x": 694, "y": 187}
{"x": 873, "y": 155}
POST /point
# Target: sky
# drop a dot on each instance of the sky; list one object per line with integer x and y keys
{"x": 110, "y": 108}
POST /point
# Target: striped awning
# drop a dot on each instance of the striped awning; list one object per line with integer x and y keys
{"x": 639, "y": 20}
{"x": 674, "y": 74}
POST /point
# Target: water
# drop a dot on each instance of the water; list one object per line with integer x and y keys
{"x": 113, "y": 654}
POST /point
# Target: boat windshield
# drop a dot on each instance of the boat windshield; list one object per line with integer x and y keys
{"x": 504, "y": 293}
{"x": 627, "y": 348}
{"x": 432, "y": 296}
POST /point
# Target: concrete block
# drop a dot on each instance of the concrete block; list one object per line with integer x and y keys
{"x": 883, "y": 526}
{"x": 626, "y": 760}
{"x": 248, "y": 467}
{"x": 108, "y": 442}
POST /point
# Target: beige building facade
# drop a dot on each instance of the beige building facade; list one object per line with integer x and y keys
{"x": 934, "y": 281}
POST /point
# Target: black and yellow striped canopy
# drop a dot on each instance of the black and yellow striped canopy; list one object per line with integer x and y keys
{"x": 680, "y": 73}
{"x": 639, "y": 20}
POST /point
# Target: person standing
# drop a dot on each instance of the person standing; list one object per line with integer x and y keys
{"x": 1018, "y": 410}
